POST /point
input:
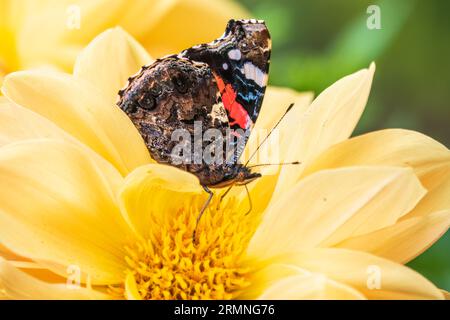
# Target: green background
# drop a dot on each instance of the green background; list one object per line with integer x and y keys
{"x": 315, "y": 42}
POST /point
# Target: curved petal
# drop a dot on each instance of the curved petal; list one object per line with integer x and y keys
{"x": 383, "y": 147}
{"x": 330, "y": 119}
{"x": 404, "y": 240}
{"x": 58, "y": 208}
{"x": 167, "y": 37}
{"x": 438, "y": 196}
{"x": 332, "y": 205}
{"x": 8, "y": 254}
{"x": 18, "y": 123}
{"x": 55, "y": 31}
{"x": 374, "y": 277}
{"x": 396, "y": 147}
{"x": 77, "y": 108}
{"x": 156, "y": 192}
{"x": 310, "y": 287}
{"x": 276, "y": 101}
{"x": 131, "y": 290}
{"x": 109, "y": 60}
{"x": 287, "y": 281}
{"x": 16, "y": 284}
{"x": 390, "y": 147}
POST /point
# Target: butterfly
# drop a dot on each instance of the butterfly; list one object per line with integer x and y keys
{"x": 218, "y": 85}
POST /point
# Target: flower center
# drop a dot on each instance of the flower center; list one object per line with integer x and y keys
{"x": 169, "y": 265}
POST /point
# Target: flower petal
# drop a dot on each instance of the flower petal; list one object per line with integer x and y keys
{"x": 374, "y": 277}
{"x": 396, "y": 147}
{"x": 78, "y": 109}
{"x": 55, "y": 31}
{"x": 286, "y": 281}
{"x": 438, "y": 196}
{"x": 310, "y": 287}
{"x": 109, "y": 60}
{"x": 330, "y": 119}
{"x": 404, "y": 240}
{"x": 332, "y": 205}
{"x": 58, "y": 208}
{"x": 384, "y": 147}
{"x": 156, "y": 191}
{"x": 16, "y": 284}
{"x": 18, "y": 123}
{"x": 276, "y": 102}
{"x": 131, "y": 290}
{"x": 166, "y": 37}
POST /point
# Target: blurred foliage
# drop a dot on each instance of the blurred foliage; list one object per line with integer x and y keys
{"x": 315, "y": 42}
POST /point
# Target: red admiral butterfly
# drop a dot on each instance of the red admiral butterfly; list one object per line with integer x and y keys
{"x": 219, "y": 85}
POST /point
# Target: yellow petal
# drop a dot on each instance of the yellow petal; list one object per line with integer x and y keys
{"x": 187, "y": 23}
{"x": 437, "y": 198}
{"x": 310, "y": 287}
{"x": 374, "y": 277}
{"x": 58, "y": 208}
{"x": 446, "y": 294}
{"x": 131, "y": 290}
{"x": 404, "y": 240}
{"x": 155, "y": 192}
{"x": 330, "y": 119}
{"x": 18, "y": 123}
{"x": 78, "y": 109}
{"x": 54, "y": 32}
{"x": 276, "y": 101}
{"x": 286, "y": 281}
{"x": 332, "y": 205}
{"x": 16, "y": 284}
{"x": 8, "y": 254}
{"x": 396, "y": 147}
{"x": 37, "y": 270}
{"x": 109, "y": 60}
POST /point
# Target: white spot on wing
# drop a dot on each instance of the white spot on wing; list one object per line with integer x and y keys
{"x": 234, "y": 54}
{"x": 254, "y": 73}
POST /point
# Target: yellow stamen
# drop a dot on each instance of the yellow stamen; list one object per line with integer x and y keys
{"x": 168, "y": 265}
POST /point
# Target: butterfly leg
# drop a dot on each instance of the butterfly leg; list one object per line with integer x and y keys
{"x": 205, "y": 206}
{"x": 223, "y": 196}
{"x": 249, "y": 200}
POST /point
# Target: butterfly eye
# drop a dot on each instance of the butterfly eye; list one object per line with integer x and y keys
{"x": 181, "y": 84}
{"x": 147, "y": 102}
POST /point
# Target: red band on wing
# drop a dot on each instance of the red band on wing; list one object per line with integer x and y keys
{"x": 235, "y": 110}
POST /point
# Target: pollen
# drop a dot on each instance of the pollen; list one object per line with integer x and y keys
{"x": 170, "y": 264}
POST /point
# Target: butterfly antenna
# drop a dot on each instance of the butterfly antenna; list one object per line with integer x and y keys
{"x": 268, "y": 135}
{"x": 274, "y": 164}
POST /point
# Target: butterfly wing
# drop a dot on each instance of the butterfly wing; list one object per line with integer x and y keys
{"x": 239, "y": 61}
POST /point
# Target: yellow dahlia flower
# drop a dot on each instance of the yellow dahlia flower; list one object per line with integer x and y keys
{"x": 80, "y": 196}
{"x": 52, "y": 32}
